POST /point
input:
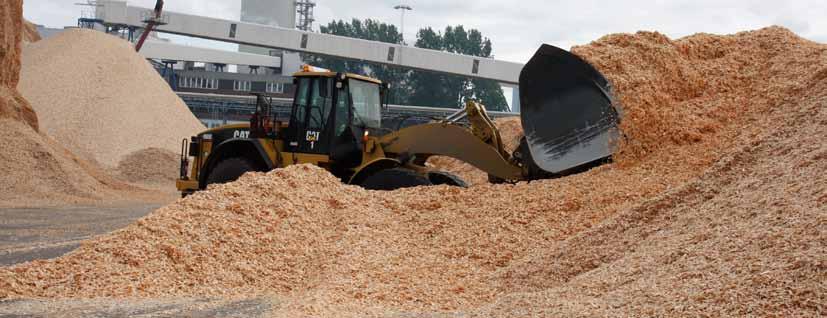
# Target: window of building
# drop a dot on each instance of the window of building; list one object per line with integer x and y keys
{"x": 242, "y": 86}
{"x": 275, "y": 87}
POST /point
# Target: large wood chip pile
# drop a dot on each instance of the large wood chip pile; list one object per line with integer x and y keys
{"x": 716, "y": 207}
{"x": 12, "y": 104}
{"x": 35, "y": 170}
{"x": 101, "y": 100}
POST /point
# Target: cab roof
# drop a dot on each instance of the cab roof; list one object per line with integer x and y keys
{"x": 334, "y": 74}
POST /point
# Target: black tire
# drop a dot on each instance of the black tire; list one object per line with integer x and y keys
{"x": 396, "y": 178}
{"x": 229, "y": 170}
{"x": 447, "y": 178}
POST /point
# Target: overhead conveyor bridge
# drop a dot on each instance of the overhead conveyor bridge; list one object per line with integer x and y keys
{"x": 507, "y": 73}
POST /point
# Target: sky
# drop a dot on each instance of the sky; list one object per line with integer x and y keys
{"x": 517, "y": 27}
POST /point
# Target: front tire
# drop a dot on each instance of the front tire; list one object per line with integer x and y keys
{"x": 229, "y": 170}
{"x": 396, "y": 178}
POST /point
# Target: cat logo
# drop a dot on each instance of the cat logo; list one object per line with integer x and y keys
{"x": 241, "y": 134}
{"x": 313, "y": 137}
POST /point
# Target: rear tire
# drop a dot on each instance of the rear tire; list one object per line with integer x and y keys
{"x": 229, "y": 170}
{"x": 396, "y": 178}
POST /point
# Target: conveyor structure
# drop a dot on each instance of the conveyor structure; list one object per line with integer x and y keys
{"x": 121, "y": 14}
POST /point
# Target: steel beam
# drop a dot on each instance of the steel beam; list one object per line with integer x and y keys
{"x": 119, "y": 13}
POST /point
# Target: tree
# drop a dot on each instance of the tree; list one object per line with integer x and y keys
{"x": 433, "y": 89}
{"x": 367, "y": 30}
{"x": 419, "y": 87}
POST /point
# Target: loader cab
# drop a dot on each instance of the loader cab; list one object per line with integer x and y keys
{"x": 331, "y": 113}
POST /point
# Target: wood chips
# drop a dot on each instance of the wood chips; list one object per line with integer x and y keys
{"x": 35, "y": 170}
{"x": 100, "y": 99}
{"x": 717, "y": 206}
{"x": 12, "y": 105}
{"x": 151, "y": 165}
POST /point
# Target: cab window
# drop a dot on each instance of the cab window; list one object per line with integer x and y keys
{"x": 342, "y": 112}
{"x": 320, "y": 104}
{"x": 301, "y": 100}
{"x": 366, "y": 103}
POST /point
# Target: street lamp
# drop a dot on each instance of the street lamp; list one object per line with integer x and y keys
{"x": 403, "y": 8}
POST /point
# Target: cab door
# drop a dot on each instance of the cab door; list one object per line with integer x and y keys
{"x": 309, "y": 129}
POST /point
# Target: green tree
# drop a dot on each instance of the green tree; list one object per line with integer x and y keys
{"x": 434, "y": 89}
{"x": 418, "y": 87}
{"x": 367, "y": 30}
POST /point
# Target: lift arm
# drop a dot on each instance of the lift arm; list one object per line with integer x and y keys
{"x": 480, "y": 146}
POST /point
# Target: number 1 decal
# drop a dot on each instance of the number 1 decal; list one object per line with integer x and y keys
{"x": 313, "y": 137}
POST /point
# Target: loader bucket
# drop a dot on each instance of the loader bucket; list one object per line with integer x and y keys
{"x": 567, "y": 111}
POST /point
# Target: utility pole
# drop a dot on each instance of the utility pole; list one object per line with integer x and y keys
{"x": 403, "y": 8}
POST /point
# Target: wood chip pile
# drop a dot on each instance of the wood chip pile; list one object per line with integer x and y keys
{"x": 94, "y": 95}
{"x": 12, "y": 104}
{"x": 151, "y": 165}
{"x": 35, "y": 170}
{"x": 716, "y": 207}
{"x": 30, "y": 34}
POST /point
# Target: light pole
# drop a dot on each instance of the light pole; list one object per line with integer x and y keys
{"x": 403, "y": 8}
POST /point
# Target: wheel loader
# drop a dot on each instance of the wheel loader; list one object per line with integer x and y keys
{"x": 568, "y": 115}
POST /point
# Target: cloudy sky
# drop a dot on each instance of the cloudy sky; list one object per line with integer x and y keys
{"x": 518, "y": 27}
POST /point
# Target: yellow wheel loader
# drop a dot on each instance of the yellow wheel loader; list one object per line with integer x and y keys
{"x": 568, "y": 115}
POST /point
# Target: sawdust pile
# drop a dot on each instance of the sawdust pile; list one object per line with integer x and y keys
{"x": 152, "y": 165}
{"x": 725, "y": 217}
{"x": 745, "y": 239}
{"x": 30, "y": 34}
{"x": 105, "y": 101}
{"x": 34, "y": 169}
{"x": 511, "y": 130}
{"x": 12, "y": 105}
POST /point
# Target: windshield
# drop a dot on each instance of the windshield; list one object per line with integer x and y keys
{"x": 366, "y": 103}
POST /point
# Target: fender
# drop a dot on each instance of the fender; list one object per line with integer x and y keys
{"x": 372, "y": 167}
{"x": 236, "y": 147}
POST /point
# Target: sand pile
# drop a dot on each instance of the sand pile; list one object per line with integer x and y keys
{"x": 100, "y": 99}
{"x": 152, "y": 165}
{"x": 723, "y": 218}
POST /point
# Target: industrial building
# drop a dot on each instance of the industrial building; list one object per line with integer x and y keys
{"x": 218, "y": 85}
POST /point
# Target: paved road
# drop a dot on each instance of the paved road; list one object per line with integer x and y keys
{"x": 43, "y": 233}
{"x": 195, "y": 308}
